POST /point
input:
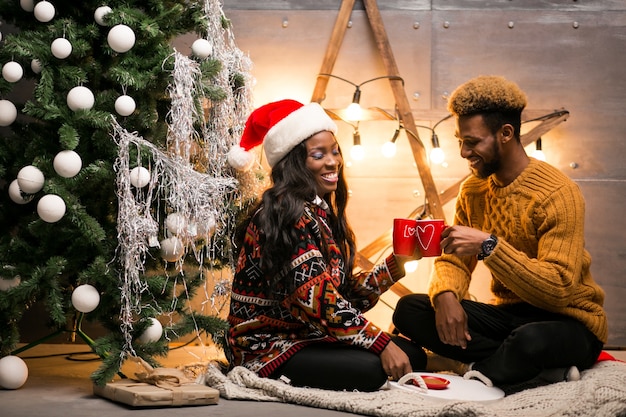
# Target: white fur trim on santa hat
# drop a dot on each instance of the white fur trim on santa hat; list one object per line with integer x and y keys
{"x": 300, "y": 125}
{"x": 240, "y": 159}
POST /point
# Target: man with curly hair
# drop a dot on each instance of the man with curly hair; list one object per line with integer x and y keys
{"x": 525, "y": 220}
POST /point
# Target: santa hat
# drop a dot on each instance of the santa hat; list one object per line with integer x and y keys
{"x": 280, "y": 126}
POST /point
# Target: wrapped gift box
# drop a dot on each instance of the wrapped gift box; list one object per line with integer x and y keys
{"x": 139, "y": 394}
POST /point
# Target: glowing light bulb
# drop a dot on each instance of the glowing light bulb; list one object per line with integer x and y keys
{"x": 410, "y": 266}
{"x": 538, "y": 154}
{"x": 389, "y": 149}
{"x": 357, "y": 152}
{"x": 354, "y": 113}
{"x": 437, "y": 156}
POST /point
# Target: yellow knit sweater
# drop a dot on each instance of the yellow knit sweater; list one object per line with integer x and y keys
{"x": 540, "y": 257}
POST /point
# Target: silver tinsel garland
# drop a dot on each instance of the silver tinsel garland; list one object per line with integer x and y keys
{"x": 202, "y": 192}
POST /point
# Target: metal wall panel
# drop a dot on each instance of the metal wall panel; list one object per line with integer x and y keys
{"x": 583, "y": 5}
{"x": 321, "y": 5}
{"x": 564, "y": 54}
{"x": 571, "y": 5}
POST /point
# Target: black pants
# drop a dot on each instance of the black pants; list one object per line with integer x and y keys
{"x": 510, "y": 343}
{"x": 335, "y": 366}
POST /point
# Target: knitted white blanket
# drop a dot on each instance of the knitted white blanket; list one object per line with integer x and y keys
{"x": 601, "y": 392}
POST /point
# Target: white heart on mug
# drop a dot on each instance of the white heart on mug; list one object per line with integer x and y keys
{"x": 426, "y": 232}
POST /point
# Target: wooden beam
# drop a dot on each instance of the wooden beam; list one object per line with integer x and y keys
{"x": 404, "y": 109}
{"x": 332, "y": 50}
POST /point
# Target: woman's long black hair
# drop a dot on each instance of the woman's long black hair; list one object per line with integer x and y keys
{"x": 283, "y": 204}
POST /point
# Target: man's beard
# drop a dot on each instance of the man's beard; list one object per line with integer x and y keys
{"x": 489, "y": 168}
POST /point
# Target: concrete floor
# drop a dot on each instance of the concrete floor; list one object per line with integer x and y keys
{"x": 58, "y": 385}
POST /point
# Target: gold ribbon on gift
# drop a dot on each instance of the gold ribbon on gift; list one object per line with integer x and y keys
{"x": 167, "y": 378}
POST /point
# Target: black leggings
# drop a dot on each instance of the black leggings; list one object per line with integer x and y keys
{"x": 510, "y": 343}
{"x": 339, "y": 367}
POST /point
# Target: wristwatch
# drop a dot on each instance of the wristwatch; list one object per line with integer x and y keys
{"x": 487, "y": 247}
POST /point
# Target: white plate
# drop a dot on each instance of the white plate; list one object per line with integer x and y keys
{"x": 459, "y": 389}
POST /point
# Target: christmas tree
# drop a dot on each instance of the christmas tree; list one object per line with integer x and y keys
{"x": 117, "y": 201}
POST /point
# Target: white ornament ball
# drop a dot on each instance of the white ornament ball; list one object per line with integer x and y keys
{"x": 175, "y": 223}
{"x": 85, "y": 298}
{"x": 7, "y": 284}
{"x": 207, "y": 227}
{"x": 152, "y": 333}
{"x": 12, "y": 72}
{"x": 139, "y": 177}
{"x": 125, "y": 105}
{"x": 201, "y": 48}
{"x": 44, "y": 11}
{"x": 172, "y": 249}
{"x": 27, "y": 5}
{"x": 35, "y": 66}
{"x": 61, "y": 48}
{"x": 8, "y": 112}
{"x": 51, "y": 208}
{"x": 13, "y": 372}
{"x": 67, "y": 163}
{"x": 16, "y": 194}
{"x": 30, "y": 179}
{"x": 100, "y": 13}
{"x": 121, "y": 38}
{"x": 80, "y": 98}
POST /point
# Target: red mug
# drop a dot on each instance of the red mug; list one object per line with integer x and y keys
{"x": 404, "y": 236}
{"x": 428, "y": 233}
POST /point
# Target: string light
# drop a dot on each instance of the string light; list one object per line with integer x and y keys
{"x": 354, "y": 112}
{"x": 538, "y": 153}
{"x": 389, "y": 149}
{"x": 437, "y": 155}
{"x": 357, "y": 152}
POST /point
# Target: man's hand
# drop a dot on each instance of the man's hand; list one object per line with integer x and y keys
{"x": 451, "y": 320}
{"x": 395, "y": 362}
{"x": 462, "y": 240}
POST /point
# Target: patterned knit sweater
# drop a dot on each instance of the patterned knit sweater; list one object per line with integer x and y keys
{"x": 327, "y": 304}
{"x": 540, "y": 257}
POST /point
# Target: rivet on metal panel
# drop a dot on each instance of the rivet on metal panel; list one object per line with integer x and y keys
{"x": 416, "y": 25}
{"x": 416, "y": 96}
{"x": 446, "y": 24}
{"x": 511, "y": 24}
{"x": 575, "y": 25}
{"x": 573, "y": 165}
{"x": 285, "y": 22}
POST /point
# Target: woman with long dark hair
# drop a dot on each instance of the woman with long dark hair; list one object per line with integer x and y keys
{"x": 296, "y": 307}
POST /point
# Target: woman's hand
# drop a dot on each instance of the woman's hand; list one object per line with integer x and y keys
{"x": 395, "y": 362}
{"x": 402, "y": 259}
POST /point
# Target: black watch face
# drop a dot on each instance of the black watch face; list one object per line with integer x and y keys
{"x": 489, "y": 245}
